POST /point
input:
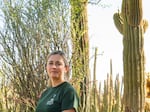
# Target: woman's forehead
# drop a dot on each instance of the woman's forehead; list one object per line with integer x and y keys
{"x": 55, "y": 57}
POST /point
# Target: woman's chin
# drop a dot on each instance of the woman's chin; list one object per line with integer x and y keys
{"x": 55, "y": 76}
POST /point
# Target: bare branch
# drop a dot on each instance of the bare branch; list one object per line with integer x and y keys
{"x": 93, "y": 2}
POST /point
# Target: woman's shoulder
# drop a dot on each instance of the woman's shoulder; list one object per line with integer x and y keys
{"x": 69, "y": 87}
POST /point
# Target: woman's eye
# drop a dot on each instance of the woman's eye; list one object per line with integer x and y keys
{"x": 50, "y": 63}
{"x": 58, "y": 64}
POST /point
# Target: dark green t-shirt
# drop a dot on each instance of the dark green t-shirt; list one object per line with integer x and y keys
{"x": 57, "y": 99}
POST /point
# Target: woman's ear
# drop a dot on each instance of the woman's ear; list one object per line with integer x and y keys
{"x": 67, "y": 74}
{"x": 67, "y": 69}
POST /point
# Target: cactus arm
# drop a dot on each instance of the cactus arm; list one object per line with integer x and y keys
{"x": 118, "y": 21}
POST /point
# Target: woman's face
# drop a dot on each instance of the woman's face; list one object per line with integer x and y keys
{"x": 56, "y": 67}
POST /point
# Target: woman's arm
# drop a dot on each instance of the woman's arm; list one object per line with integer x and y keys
{"x": 70, "y": 110}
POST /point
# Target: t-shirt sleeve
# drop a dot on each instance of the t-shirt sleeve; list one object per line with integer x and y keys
{"x": 70, "y": 100}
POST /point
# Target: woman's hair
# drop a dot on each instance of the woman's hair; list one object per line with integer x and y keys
{"x": 62, "y": 54}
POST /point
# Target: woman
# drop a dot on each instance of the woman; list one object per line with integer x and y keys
{"x": 61, "y": 97}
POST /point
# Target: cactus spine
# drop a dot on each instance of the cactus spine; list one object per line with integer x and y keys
{"x": 131, "y": 25}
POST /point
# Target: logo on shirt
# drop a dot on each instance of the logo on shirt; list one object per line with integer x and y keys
{"x": 51, "y": 101}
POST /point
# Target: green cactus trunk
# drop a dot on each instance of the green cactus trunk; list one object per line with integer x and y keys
{"x": 133, "y": 58}
{"x": 129, "y": 23}
{"x": 80, "y": 49}
{"x": 80, "y": 39}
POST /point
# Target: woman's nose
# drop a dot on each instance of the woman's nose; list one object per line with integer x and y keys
{"x": 54, "y": 66}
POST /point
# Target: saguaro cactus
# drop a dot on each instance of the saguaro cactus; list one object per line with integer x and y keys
{"x": 131, "y": 25}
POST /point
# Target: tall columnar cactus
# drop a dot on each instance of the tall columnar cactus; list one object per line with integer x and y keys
{"x": 131, "y": 25}
{"x": 108, "y": 94}
{"x": 117, "y": 96}
{"x": 80, "y": 48}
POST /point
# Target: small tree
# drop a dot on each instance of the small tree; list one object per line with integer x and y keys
{"x": 31, "y": 30}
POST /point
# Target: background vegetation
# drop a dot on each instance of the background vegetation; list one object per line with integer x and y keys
{"x": 32, "y": 29}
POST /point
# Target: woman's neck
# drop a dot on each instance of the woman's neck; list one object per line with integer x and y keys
{"x": 57, "y": 82}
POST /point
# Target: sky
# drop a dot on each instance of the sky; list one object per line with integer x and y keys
{"x": 104, "y": 35}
